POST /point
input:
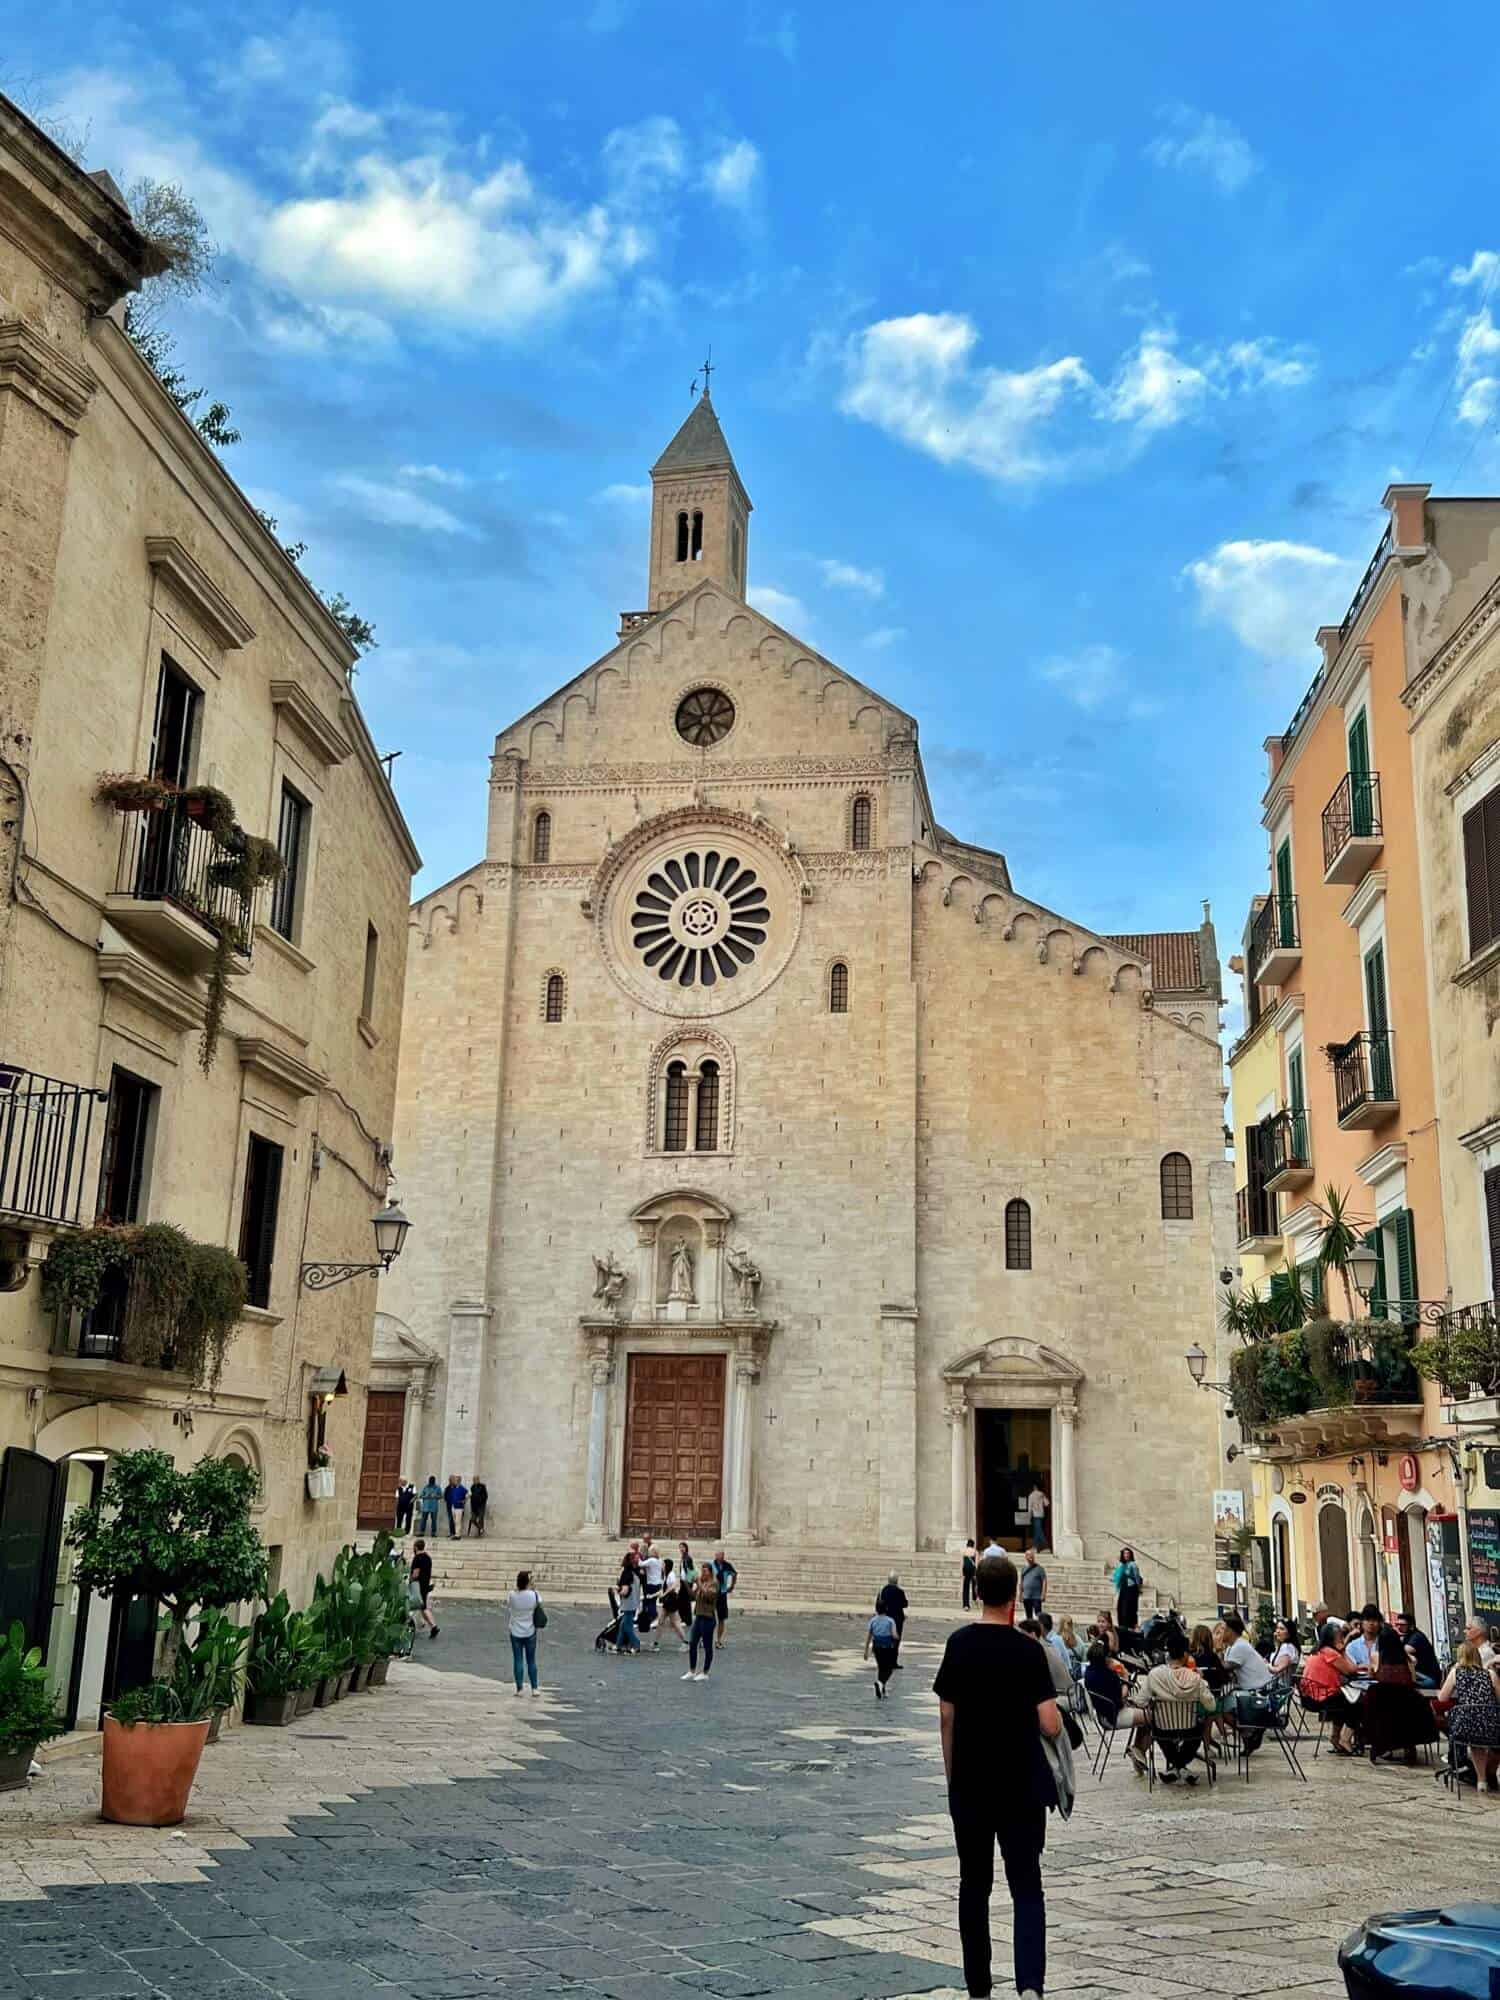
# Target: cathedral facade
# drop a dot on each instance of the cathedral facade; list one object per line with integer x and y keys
{"x": 785, "y": 1174}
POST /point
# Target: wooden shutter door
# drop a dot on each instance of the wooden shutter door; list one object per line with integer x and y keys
{"x": 1482, "y": 870}
{"x": 1406, "y": 1266}
{"x": 1285, "y": 924}
{"x": 1375, "y": 1240}
{"x": 381, "y": 1468}
{"x": 1361, "y": 816}
{"x": 1379, "y": 1019}
{"x": 1492, "y": 1222}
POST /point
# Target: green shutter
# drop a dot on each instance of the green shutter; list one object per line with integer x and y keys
{"x": 1286, "y": 909}
{"x": 1375, "y": 1240}
{"x": 1359, "y": 746}
{"x": 1361, "y": 800}
{"x": 1297, "y": 1097}
{"x": 1406, "y": 1266}
{"x": 1381, "y": 1080}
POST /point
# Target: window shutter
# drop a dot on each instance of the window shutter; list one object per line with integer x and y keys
{"x": 1492, "y": 1218}
{"x": 1375, "y": 1240}
{"x": 1482, "y": 870}
{"x": 1295, "y": 1088}
{"x": 1406, "y": 1266}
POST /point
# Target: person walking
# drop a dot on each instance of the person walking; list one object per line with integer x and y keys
{"x": 428, "y": 1501}
{"x": 420, "y": 1574}
{"x": 652, "y": 1573}
{"x": 406, "y": 1501}
{"x": 479, "y": 1500}
{"x": 995, "y": 1704}
{"x": 1037, "y": 1504}
{"x": 1127, "y": 1583}
{"x": 882, "y": 1638}
{"x": 705, "y": 1622}
{"x": 523, "y": 1603}
{"x": 971, "y": 1565}
{"x": 455, "y": 1493}
{"x": 675, "y": 1604}
{"x": 1033, "y": 1585}
{"x": 632, "y": 1596}
{"x": 728, "y": 1577}
{"x": 893, "y": 1602}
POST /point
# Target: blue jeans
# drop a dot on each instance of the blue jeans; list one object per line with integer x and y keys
{"x": 523, "y": 1650}
{"x": 702, "y": 1635}
{"x": 429, "y": 1521}
{"x": 628, "y": 1642}
{"x": 1038, "y": 1531}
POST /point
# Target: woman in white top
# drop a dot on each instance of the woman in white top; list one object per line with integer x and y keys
{"x": 1286, "y": 1655}
{"x": 523, "y": 1602}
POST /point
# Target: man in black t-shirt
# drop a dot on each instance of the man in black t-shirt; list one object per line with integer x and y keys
{"x": 420, "y": 1574}
{"x": 996, "y": 1702}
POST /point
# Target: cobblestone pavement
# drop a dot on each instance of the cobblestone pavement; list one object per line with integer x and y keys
{"x": 771, "y": 1831}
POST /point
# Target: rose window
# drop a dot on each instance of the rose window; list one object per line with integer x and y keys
{"x": 700, "y": 917}
{"x": 705, "y": 717}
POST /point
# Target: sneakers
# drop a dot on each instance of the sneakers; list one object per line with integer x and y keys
{"x": 434, "y": 1632}
{"x": 879, "y": 1692}
{"x": 700, "y": 1677}
{"x": 520, "y": 1691}
{"x": 690, "y": 1675}
{"x": 1169, "y": 1777}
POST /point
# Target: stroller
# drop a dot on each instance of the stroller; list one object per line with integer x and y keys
{"x": 611, "y": 1633}
{"x": 1151, "y": 1641}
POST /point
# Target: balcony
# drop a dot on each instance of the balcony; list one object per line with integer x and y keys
{"x": 46, "y": 1129}
{"x": 1364, "y": 1080}
{"x": 1328, "y": 1387}
{"x": 1275, "y": 941}
{"x": 1352, "y": 835}
{"x": 1257, "y": 1230}
{"x": 177, "y": 890}
{"x": 1286, "y": 1153}
{"x": 1463, "y": 1358}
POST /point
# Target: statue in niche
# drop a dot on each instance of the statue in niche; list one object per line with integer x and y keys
{"x": 746, "y": 1276}
{"x": 609, "y": 1280}
{"x": 680, "y": 1274}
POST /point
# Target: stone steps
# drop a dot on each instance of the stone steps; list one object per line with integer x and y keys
{"x": 840, "y": 1579}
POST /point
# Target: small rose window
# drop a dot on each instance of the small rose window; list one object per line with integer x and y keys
{"x": 700, "y": 917}
{"x": 705, "y": 717}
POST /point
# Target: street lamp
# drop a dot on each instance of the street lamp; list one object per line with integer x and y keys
{"x": 390, "y": 1226}
{"x": 1197, "y": 1365}
{"x": 1364, "y": 1268}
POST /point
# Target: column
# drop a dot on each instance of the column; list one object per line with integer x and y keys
{"x": 467, "y": 1319}
{"x": 898, "y": 1427}
{"x": 411, "y": 1427}
{"x": 645, "y": 1271}
{"x": 601, "y": 1372}
{"x": 741, "y": 1410}
{"x": 960, "y": 1527}
{"x": 1065, "y": 1536}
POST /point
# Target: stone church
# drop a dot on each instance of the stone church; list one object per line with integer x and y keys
{"x": 784, "y": 1173}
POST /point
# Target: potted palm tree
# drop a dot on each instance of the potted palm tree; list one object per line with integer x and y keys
{"x": 28, "y": 1714}
{"x": 183, "y": 1539}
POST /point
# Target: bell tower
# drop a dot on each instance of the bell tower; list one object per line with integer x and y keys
{"x": 700, "y": 513}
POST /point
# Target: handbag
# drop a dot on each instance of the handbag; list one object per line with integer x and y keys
{"x": 539, "y": 1617}
{"x": 414, "y": 1595}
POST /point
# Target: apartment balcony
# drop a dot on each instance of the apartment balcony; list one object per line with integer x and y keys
{"x": 46, "y": 1157}
{"x": 1364, "y": 1080}
{"x": 1468, "y": 1341}
{"x": 1286, "y": 1151}
{"x": 1275, "y": 941}
{"x": 1352, "y": 836}
{"x": 1257, "y": 1230}
{"x": 176, "y": 891}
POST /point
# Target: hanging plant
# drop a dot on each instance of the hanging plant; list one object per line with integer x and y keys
{"x": 213, "y": 808}
{"x": 183, "y": 1299}
{"x": 247, "y": 862}
{"x": 217, "y": 995}
{"x": 127, "y": 793}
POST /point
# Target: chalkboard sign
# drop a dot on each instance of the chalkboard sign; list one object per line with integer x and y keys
{"x": 1484, "y": 1561}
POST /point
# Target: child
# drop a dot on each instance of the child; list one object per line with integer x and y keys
{"x": 881, "y": 1635}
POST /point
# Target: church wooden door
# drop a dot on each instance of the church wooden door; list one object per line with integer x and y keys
{"x": 381, "y": 1468}
{"x": 674, "y": 1444}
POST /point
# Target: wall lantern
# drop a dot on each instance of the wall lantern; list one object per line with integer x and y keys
{"x": 390, "y": 1226}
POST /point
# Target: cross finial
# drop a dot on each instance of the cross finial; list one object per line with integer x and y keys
{"x": 706, "y": 371}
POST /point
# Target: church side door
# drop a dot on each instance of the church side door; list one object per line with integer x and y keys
{"x": 674, "y": 1444}
{"x": 381, "y": 1468}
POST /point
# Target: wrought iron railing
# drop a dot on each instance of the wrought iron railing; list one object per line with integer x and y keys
{"x": 1274, "y": 929}
{"x": 1255, "y": 1213}
{"x": 170, "y": 857}
{"x": 46, "y": 1126}
{"x": 1353, "y": 813}
{"x": 1284, "y": 1142}
{"x": 1362, "y": 591}
{"x": 1362, "y": 1071}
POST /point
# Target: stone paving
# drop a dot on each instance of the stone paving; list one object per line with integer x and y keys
{"x": 771, "y": 1831}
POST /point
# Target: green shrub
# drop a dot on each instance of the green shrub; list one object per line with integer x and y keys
{"x": 28, "y": 1713}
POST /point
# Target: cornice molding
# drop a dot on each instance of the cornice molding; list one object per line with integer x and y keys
{"x": 1286, "y": 1013}
{"x": 296, "y": 707}
{"x": 1369, "y": 894}
{"x": 1278, "y": 800}
{"x": 1453, "y": 653}
{"x": 33, "y": 367}
{"x": 166, "y": 999}
{"x": 279, "y": 1066}
{"x": 1482, "y": 1137}
{"x": 180, "y": 570}
{"x": 625, "y": 777}
{"x": 1382, "y": 1164}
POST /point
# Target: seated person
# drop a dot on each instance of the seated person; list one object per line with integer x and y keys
{"x": 1322, "y": 1681}
{"x": 1105, "y": 1681}
{"x": 1062, "y": 1679}
{"x": 1286, "y": 1652}
{"x": 1419, "y": 1650}
{"x": 1179, "y": 1680}
{"x": 1076, "y": 1646}
{"x": 1393, "y": 1714}
{"x": 1054, "y": 1641}
{"x": 1361, "y": 1648}
{"x": 1103, "y": 1629}
{"x": 1251, "y": 1674}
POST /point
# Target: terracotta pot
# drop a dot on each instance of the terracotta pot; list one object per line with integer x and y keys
{"x": 149, "y": 1768}
{"x": 272, "y": 1710}
{"x": 378, "y": 1671}
{"x": 14, "y": 1765}
{"x": 305, "y": 1698}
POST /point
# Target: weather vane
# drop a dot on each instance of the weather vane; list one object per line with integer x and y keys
{"x": 706, "y": 372}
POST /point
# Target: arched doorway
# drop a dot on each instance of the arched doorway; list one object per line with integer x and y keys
{"x": 1282, "y": 1580}
{"x": 1414, "y": 1576}
{"x": 1369, "y": 1558}
{"x": 1333, "y": 1551}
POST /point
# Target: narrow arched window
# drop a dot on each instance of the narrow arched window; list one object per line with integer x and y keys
{"x": 1018, "y": 1235}
{"x": 706, "y": 1136}
{"x": 861, "y": 818}
{"x": 838, "y": 987}
{"x": 697, "y": 536}
{"x": 552, "y": 1009}
{"x": 682, "y": 537}
{"x": 541, "y": 837}
{"x": 1176, "y": 1188}
{"x": 675, "y": 1121}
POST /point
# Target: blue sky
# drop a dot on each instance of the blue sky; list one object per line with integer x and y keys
{"x": 1065, "y": 353}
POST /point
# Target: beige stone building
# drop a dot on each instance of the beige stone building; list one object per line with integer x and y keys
{"x": 785, "y": 1173}
{"x": 150, "y": 625}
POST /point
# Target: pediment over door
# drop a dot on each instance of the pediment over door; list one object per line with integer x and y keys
{"x": 1012, "y": 1359}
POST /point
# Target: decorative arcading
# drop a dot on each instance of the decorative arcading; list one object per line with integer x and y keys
{"x": 1051, "y": 942}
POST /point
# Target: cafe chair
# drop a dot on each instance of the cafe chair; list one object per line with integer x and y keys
{"x": 1109, "y": 1727}
{"x": 1177, "y": 1738}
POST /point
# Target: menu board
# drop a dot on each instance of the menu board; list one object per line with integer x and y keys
{"x": 1484, "y": 1560}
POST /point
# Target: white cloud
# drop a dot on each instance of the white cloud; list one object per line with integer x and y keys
{"x": 1097, "y": 677}
{"x": 1262, "y": 364}
{"x": 884, "y": 637}
{"x": 731, "y": 176}
{"x": 435, "y": 475}
{"x": 624, "y": 495}
{"x": 393, "y": 507}
{"x": 1272, "y": 595}
{"x": 1478, "y": 345}
{"x": 1198, "y": 142}
{"x": 1155, "y": 387}
{"x": 1480, "y": 269}
{"x": 644, "y": 158}
{"x": 779, "y": 606}
{"x": 845, "y": 576}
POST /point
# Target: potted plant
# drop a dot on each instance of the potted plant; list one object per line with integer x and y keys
{"x": 217, "y": 1654}
{"x": 28, "y": 1714}
{"x": 127, "y": 793}
{"x": 278, "y": 1653}
{"x": 320, "y": 1475}
{"x": 184, "y": 1539}
{"x": 212, "y": 808}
